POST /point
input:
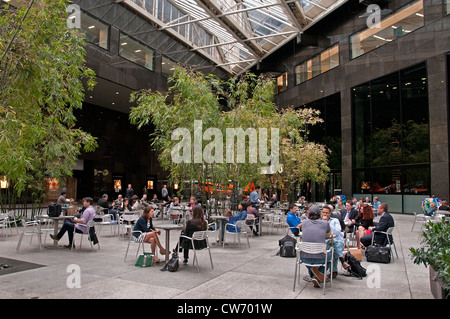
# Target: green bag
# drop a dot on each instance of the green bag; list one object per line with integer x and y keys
{"x": 145, "y": 260}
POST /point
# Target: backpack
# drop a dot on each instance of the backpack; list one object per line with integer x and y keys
{"x": 355, "y": 269}
{"x": 287, "y": 246}
{"x": 54, "y": 210}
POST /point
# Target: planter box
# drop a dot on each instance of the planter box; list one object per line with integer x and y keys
{"x": 435, "y": 285}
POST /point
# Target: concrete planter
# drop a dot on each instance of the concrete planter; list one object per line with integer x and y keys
{"x": 436, "y": 285}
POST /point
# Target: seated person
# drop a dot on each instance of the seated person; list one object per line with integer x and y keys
{"x": 155, "y": 199}
{"x": 315, "y": 230}
{"x": 241, "y": 215}
{"x": 79, "y": 225}
{"x": 338, "y": 240}
{"x": 197, "y": 223}
{"x": 108, "y": 209}
{"x": 444, "y": 206}
{"x": 348, "y": 215}
{"x": 386, "y": 221}
{"x": 149, "y": 234}
{"x": 294, "y": 222}
{"x": 175, "y": 215}
{"x": 136, "y": 204}
{"x": 363, "y": 221}
{"x": 255, "y": 212}
{"x": 144, "y": 201}
{"x": 273, "y": 201}
{"x": 125, "y": 205}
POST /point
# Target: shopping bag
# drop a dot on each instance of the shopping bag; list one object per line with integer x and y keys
{"x": 145, "y": 260}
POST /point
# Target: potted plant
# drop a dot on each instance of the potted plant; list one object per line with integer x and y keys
{"x": 434, "y": 251}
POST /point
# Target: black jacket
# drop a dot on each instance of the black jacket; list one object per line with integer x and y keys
{"x": 386, "y": 221}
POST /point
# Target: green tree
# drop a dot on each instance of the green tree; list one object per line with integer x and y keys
{"x": 246, "y": 104}
{"x": 41, "y": 70}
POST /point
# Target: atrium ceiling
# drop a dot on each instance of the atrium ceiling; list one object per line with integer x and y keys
{"x": 235, "y": 35}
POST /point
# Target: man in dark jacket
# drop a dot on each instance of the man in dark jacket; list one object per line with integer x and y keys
{"x": 347, "y": 216}
{"x": 386, "y": 221}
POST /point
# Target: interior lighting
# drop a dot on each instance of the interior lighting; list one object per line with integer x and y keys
{"x": 91, "y": 27}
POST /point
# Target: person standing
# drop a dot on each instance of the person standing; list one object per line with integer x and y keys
{"x": 130, "y": 191}
{"x": 254, "y": 197}
{"x": 164, "y": 193}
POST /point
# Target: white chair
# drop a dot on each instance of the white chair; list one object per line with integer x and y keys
{"x": 134, "y": 241}
{"x": 89, "y": 225}
{"x": 126, "y": 222}
{"x": 45, "y": 225}
{"x": 420, "y": 218}
{"x": 315, "y": 249}
{"x": 199, "y": 236}
{"x": 278, "y": 221}
{"x": 12, "y": 220}
{"x": 107, "y": 220}
{"x": 267, "y": 220}
{"x": 30, "y": 229}
{"x": 388, "y": 234}
{"x": 213, "y": 228}
{"x": 239, "y": 229}
{"x": 4, "y": 223}
{"x": 250, "y": 222}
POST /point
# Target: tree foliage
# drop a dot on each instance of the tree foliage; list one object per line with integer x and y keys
{"x": 243, "y": 103}
{"x": 41, "y": 74}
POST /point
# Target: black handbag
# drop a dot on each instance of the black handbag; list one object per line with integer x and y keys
{"x": 173, "y": 263}
{"x": 378, "y": 254}
{"x": 54, "y": 210}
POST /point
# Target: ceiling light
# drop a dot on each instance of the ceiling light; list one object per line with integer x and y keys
{"x": 419, "y": 15}
{"x": 117, "y": 92}
{"x": 91, "y": 27}
{"x": 378, "y": 37}
{"x": 138, "y": 50}
{"x": 123, "y": 43}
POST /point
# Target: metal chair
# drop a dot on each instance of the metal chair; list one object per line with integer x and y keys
{"x": 106, "y": 220}
{"x": 89, "y": 225}
{"x": 4, "y": 223}
{"x": 314, "y": 248}
{"x": 388, "y": 234}
{"x": 420, "y": 218}
{"x": 199, "y": 236}
{"x": 250, "y": 222}
{"x": 239, "y": 228}
{"x": 213, "y": 228}
{"x": 30, "y": 228}
{"x": 126, "y": 222}
{"x": 45, "y": 224}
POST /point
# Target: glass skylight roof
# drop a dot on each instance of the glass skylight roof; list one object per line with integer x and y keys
{"x": 234, "y": 34}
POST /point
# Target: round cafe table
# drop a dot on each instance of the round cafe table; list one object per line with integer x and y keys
{"x": 168, "y": 228}
{"x": 56, "y": 226}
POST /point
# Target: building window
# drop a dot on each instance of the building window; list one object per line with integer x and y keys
{"x": 404, "y": 21}
{"x": 282, "y": 82}
{"x": 136, "y": 52}
{"x": 391, "y": 152}
{"x": 325, "y": 61}
{"x": 95, "y": 31}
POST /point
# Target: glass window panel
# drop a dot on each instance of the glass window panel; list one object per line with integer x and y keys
{"x": 136, "y": 52}
{"x": 282, "y": 83}
{"x": 96, "y": 32}
{"x": 404, "y": 21}
{"x": 325, "y": 61}
{"x": 385, "y": 147}
{"x": 416, "y": 180}
{"x": 362, "y": 125}
{"x": 334, "y": 56}
{"x": 415, "y": 144}
{"x": 315, "y": 66}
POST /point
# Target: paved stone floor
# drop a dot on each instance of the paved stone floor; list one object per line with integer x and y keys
{"x": 246, "y": 273}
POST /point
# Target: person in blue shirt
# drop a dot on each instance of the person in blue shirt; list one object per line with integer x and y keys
{"x": 254, "y": 197}
{"x": 241, "y": 215}
{"x": 294, "y": 222}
